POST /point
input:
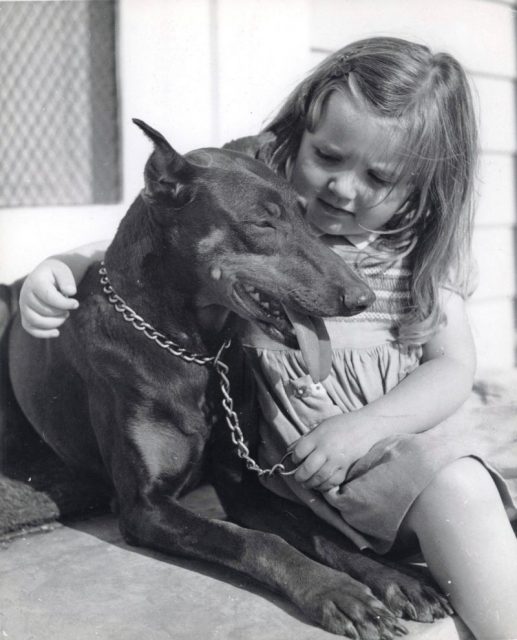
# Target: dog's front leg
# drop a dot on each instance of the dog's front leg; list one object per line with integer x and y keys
{"x": 152, "y": 461}
{"x": 407, "y": 592}
{"x": 332, "y": 599}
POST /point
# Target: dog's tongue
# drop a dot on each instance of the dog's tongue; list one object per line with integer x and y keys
{"x": 314, "y": 343}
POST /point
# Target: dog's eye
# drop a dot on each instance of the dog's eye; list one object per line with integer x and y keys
{"x": 264, "y": 224}
{"x": 273, "y": 209}
{"x": 302, "y": 204}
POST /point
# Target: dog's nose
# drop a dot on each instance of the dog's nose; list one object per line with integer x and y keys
{"x": 358, "y": 298}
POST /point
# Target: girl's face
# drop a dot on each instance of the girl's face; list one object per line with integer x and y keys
{"x": 347, "y": 169}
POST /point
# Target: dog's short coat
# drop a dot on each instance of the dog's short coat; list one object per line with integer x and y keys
{"x": 208, "y": 234}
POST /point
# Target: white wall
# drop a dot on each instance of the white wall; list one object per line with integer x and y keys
{"x": 206, "y": 71}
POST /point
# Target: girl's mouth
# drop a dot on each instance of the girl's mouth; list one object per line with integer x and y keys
{"x": 334, "y": 211}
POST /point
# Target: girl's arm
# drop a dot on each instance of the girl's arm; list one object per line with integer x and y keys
{"x": 45, "y": 301}
{"x": 426, "y": 397}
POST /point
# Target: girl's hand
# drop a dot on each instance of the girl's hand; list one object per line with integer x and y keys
{"x": 330, "y": 449}
{"x": 44, "y": 298}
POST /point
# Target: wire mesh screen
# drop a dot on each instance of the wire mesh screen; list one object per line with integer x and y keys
{"x": 58, "y": 103}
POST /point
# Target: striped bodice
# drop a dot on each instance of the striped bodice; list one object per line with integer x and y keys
{"x": 390, "y": 283}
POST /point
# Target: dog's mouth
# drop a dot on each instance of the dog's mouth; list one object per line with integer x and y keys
{"x": 295, "y": 328}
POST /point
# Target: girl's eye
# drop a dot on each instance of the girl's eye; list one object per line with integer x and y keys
{"x": 382, "y": 182}
{"x": 323, "y": 155}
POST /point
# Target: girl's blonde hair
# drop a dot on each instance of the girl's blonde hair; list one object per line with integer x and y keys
{"x": 429, "y": 97}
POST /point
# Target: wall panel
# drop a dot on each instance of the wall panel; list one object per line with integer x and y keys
{"x": 490, "y": 320}
{"x": 480, "y": 34}
{"x": 496, "y": 188}
{"x": 262, "y": 52}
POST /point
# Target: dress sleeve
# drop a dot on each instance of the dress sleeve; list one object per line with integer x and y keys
{"x": 259, "y": 146}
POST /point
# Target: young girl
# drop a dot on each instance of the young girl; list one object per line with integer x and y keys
{"x": 380, "y": 140}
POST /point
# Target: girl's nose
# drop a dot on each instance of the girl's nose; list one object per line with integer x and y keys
{"x": 343, "y": 186}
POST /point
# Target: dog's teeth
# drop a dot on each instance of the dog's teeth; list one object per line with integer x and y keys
{"x": 269, "y": 306}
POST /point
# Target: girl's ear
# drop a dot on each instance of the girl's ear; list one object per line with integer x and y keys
{"x": 167, "y": 171}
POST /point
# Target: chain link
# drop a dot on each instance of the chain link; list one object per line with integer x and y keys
{"x": 222, "y": 369}
{"x": 232, "y": 420}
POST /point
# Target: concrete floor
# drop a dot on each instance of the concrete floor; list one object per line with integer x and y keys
{"x": 80, "y": 581}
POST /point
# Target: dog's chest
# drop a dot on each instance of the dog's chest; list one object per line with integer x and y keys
{"x": 169, "y": 441}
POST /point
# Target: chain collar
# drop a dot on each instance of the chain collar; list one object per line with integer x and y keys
{"x": 232, "y": 420}
{"x": 148, "y": 330}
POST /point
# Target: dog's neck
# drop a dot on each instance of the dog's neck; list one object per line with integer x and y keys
{"x": 142, "y": 275}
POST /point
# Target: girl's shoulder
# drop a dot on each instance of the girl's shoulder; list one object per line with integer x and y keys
{"x": 259, "y": 146}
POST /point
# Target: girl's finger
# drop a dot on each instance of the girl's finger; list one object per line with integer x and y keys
{"x": 301, "y": 449}
{"x": 322, "y": 475}
{"x": 335, "y": 480}
{"x": 39, "y": 307}
{"x": 54, "y": 298}
{"x": 43, "y": 333}
{"x": 64, "y": 279}
{"x": 32, "y": 320}
{"x": 309, "y": 467}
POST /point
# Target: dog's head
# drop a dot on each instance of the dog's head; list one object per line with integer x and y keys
{"x": 234, "y": 231}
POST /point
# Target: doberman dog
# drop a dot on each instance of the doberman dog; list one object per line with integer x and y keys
{"x": 131, "y": 389}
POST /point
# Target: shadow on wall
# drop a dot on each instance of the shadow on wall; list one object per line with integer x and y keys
{"x": 515, "y": 210}
{"x": 515, "y": 261}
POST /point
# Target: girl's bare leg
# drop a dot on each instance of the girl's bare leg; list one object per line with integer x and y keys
{"x": 470, "y": 547}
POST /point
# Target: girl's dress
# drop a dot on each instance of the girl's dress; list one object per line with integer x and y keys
{"x": 367, "y": 363}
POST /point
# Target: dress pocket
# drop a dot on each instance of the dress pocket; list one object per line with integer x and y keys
{"x": 310, "y": 401}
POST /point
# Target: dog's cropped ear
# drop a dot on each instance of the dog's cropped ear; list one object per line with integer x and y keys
{"x": 166, "y": 171}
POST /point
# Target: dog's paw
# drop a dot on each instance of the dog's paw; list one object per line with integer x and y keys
{"x": 408, "y": 593}
{"x": 345, "y": 607}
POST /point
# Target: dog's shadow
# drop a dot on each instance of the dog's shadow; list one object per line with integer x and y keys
{"x": 104, "y": 527}
{"x": 204, "y": 501}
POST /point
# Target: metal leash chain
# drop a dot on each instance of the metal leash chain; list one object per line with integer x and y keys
{"x": 232, "y": 420}
{"x": 222, "y": 369}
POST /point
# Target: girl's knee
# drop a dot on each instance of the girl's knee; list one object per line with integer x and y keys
{"x": 462, "y": 486}
{"x": 463, "y": 478}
